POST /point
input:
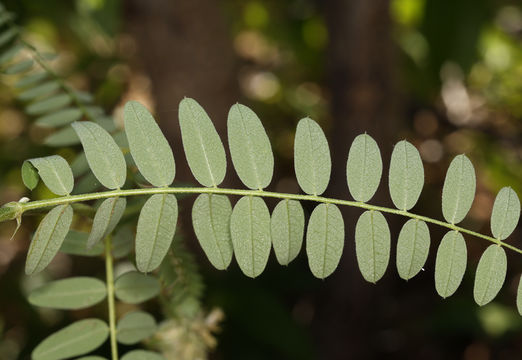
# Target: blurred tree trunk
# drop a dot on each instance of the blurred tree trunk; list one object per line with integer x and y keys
{"x": 360, "y": 63}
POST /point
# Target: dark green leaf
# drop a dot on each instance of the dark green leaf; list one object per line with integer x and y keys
{"x": 9, "y": 55}
{"x": 75, "y": 243}
{"x": 134, "y": 287}
{"x": 8, "y": 35}
{"x": 122, "y": 242}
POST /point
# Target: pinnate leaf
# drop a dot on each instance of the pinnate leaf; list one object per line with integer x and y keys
{"x": 211, "y": 220}
{"x": 203, "y": 147}
{"x": 249, "y": 147}
{"x": 55, "y": 173}
{"x": 363, "y": 168}
{"x": 506, "y": 213}
{"x": 490, "y": 276}
{"x": 413, "y": 247}
{"x": 250, "y": 230}
{"x": 149, "y": 148}
{"x": 459, "y": 189}
{"x": 287, "y": 229}
{"x": 134, "y": 327}
{"x": 48, "y": 238}
{"x": 134, "y": 287}
{"x": 450, "y": 263}
{"x": 106, "y": 218}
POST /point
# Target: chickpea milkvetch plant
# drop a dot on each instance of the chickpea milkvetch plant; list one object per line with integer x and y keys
{"x": 246, "y": 231}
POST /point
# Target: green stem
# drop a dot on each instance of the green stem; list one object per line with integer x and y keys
{"x": 110, "y": 297}
{"x": 34, "y": 205}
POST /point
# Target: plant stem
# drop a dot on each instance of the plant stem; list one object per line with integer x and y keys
{"x": 34, "y": 205}
{"x": 110, "y": 297}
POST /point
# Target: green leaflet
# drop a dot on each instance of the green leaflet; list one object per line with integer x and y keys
{"x": 406, "y": 177}
{"x": 134, "y": 287}
{"x": 363, "y": 168}
{"x": 134, "y": 327}
{"x": 211, "y": 221}
{"x": 413, "y": 247}
{"x": 505, "y": 214}
{"x": 9, "y": 55}
{"x": 20, "y": 67}
{"x": 103, "y": 155}
{"x": 48, "y": 104}
{"x": 107, "y": 217}
{"x": 122, "y": 242}
{"x": 156, "y": 228}
{"x": 30, "y": 176}
{"x": 490, "y": 276}
{"x": 459, "y": 189}
{"x": 149, "y": 148}
{"x": 450, "y": 263}
{"x": 91, "y": 358}
{"x": 31, "y": 79}
{"x": 372, "y": 245}
{"x": 75, "y": 243}
{"x": 142, "y": 355}
{"x": 311, "y": 157}
{"x": 55, "y": 173}
{"x": 48, "y": 238}
{"x": 519, "y": 296}
{"x": 66, "y": 136}
{"x": 69, "y": 294}
{"x": 250, "y": 147}
{"x": 76, "y": 339}
{"x": 8, "y": 35}
{"x": 203, "y": 147}
{"x": 44, "y": 89}
{"x": 324, "y": 240}
{"x": 79, "y": 166}
{"x": 250, "y": 230}
{"x": 287, "y": 229}
{"x": 59, "y": 118}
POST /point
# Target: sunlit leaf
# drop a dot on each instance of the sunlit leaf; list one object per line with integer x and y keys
{"x": 406, "y": 175}
{"x": 250, "y": 147}
{"x": 134, "y": 287}
{"x": 490, "y": 276}
{"x": 211, "y": 220}
{"x": 134, "y": 327}
{"x": 59, "y": 118}
{"x": 459, "y": 189}
{"x": 372, "y": 245}
{"x": 44, "y": 89}
{"x": 19, "y": 67}
{"x": 413, "y": 247}
{"x": 203, "y": 147}
{"x": 71, "y": 293}
{"x": 250, "y": 230}
{"x": 287, "y": 229}
{"x": 66, "y": 136}
{"x": 75, "y": 243}
{"x": 48, "y": 238}
{"x": 363, "y": 168}
{"x": 149, "y": 148}
{"x": 103, "y": 155}
{"x": 76, "y": 339}
{"x": 55, "y": 173}
{"x": 450, "y": 263}
{"x": 30, "y": 176}
{"x": 156, "y": 228}
{"x": 48, "y": 104}
{"x": 506, "y": 213}
{"x": 106, "y": 218}
{"x": 142, "y": 355}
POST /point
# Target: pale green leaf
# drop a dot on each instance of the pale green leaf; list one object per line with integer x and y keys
{"x": 413, "y": 247}
{"x": 30, "y": 176}
{"x": 211, "y": 220}
{"x": 406, "y": 177}
{"x": 48, "y": 238}
{"x": 19, "y": 67}
{"x": 31, "y": 79}
{"x": 311, "y": 157}
{"x": 8, "y": 35}
{"x": 450, "y": 263}
{"x": 519, "y": 296}
{"x": 363, "y": 168}
{"x": 372, "y": 245}
{"x": 94, "y": 357}
{"x": 250, "y": 147}
{"x": 79, "y": 166}
{"x": 106, "y": 218}
{"x": 134, "y": 327}
{"x": 83, "y": 96}
{"x": 156, "y": 228}
{"x": 69, "y": 294}
{"x": 48, "y": 104}
{"x": 459, "y": 189}
{"x": 490, "y": 276}
{"x": 9, "y": 55}
{"x": 55, "y": 173}
{"x": 203, "y": 147}
{"x": 79, "y": 338}
{"x": 149, "y": 148}
{"x": 75, "y": 243}
{"x": 324, "y": 240}
{"x": 122, "y": 242}
{"x": 250, "y": 230}
{"x": 134, "y": 287}
{"x": 103, "y": 155}
{"x": 506, "y": 213}
{"x": 44, "y": 89}
{"x": 287, "y": 229}
{"x": 142, "y": 355}
{"x": 59, "y": 118}
{"x": 66, "y": 136}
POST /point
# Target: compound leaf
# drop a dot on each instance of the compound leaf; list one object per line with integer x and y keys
{"x": 55, "y": 173}
{"x": 406, "y": 177}
{"x": 459, "y": 189}
{"x": 287, "y": 229}
{"x": 363, "y": 168}
{"x": 106, "y": 218}
{"x": 450, "y": 263}
{"x": 134, "y": 287}
{"x": 134, "y": 327}
{"x": 250, "y": 230}
{"x": 506, "y": 213}
{"x": 203, "y": 147}
{"x": 413, "y": 247}
{"x": 249, "y": 147}
{"x": 490, "y": 276}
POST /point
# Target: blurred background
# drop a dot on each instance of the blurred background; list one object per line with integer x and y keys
{"x": 445, "y": 75}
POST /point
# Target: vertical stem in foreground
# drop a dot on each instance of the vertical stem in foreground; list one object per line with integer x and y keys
{"x": 110, "y": 297}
